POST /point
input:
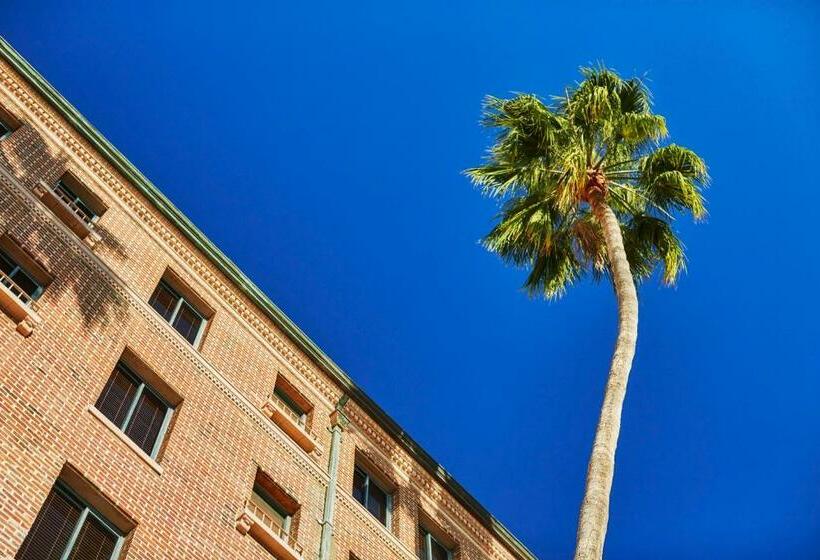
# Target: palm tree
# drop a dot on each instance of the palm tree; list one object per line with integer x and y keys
{"x": 587, "y": 186}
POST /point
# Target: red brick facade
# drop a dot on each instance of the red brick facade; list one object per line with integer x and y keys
{"x": 184, "y": 504}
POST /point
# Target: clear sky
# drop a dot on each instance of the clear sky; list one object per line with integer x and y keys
{"x": 320, "y": 146}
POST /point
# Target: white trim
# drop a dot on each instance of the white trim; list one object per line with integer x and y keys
{"x": 127, "y": 440}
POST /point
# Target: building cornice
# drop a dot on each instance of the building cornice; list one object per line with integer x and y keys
{"x": 147, "y": 189}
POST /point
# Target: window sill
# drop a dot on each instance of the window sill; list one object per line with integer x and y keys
{"x": 21, "y": 313}
{"x": 66, "y": 214}
{"x": 119, "y": 433}
{"x": 277, "y": 411}
{"x": 280, "y": 545}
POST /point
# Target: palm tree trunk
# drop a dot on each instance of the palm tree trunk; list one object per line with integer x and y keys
{"x": 594, "y": 514}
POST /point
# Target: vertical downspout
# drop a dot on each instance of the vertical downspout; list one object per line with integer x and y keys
{"x": 338, "y": 422}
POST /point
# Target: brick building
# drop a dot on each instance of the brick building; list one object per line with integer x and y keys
{"x": 155, "y": 404}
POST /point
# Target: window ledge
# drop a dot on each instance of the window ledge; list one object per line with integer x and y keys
{"x": 70, "y": 216}
{"x": 274, "y": 540}
{"x": 277, "y": 411}
{"x": 17, "y": 305}
{"x": 121, "y": 435}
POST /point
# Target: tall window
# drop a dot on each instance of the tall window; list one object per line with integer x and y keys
{"x": 431, "y": 549}
{"x": 136, "y": 409}
{"x": 66, "y": 528}
{"x": 178, "y": 312}
{"x": 19, "y": 276}
{"x": 371, "y": 495}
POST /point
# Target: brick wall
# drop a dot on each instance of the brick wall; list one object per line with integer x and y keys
{"x": 185, "y": 505}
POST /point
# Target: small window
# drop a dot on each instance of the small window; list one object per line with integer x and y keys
{"x": 432, "y": 549}
{"x": 66, "y": 193}
{"x": 8, "y": 123}
{"x": 299, "y": 414}
{"x": 180, "y": 310}
{"x": 268, "y": 509}
{"x": 17, "y": 278}
{"x": 67, "y": 527}
{"x": 270, "y": 516}
{"x": 372, "y": 495}
{"x": 136, "y": 409}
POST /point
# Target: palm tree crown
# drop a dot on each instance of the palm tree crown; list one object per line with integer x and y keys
{"x": 599, "y": 142}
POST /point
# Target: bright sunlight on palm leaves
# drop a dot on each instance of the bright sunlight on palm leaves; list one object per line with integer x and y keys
{"x": 602, "y": 139}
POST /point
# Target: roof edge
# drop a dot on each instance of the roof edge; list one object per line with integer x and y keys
{"x": 270, "y": 309}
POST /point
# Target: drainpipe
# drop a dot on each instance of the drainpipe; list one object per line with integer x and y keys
{"x": 338, "y": 422}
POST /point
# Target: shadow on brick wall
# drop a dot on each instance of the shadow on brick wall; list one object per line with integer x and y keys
{"x": 28, "y": 158}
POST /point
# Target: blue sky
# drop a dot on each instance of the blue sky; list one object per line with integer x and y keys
{"x": 320, "y": 146}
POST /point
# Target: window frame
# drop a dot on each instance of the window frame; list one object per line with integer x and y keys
{"x": 9, "y": 122}
{"x": 77, "y": 200}
{"x": 142, "y": 386}
{"x": 274, "y": 504}
{"x": 280, "y": 392}
{"x": 368, "y": 479}
{"x": 18, "y": 268}
{"x": 427, "y": 545}
{"x": 180, "y": 300}
{"x": 5, "y": 129}
{"x": 86, "y": 510}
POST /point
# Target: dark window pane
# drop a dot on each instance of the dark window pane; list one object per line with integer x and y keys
{"x": 188, "y": 322}
{"x": 26, "y": 283}
{"x": 164, "y": 301}
{"x": 117, "y": 396}
{"x": 439, "y": 552}
{"x": 4, "y": 129}
{"x": 359, "y": 485}
{"x": 146, "y": 421}
{"x": 73, "y": 197}
{"x": 6, "y": 264}
{"x": 377, "y": 503}
{"x": 95, "y": 542}
{"x": 51, "y": 531}
{"x": 61, "y": 187}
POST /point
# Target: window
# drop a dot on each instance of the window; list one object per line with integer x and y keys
{"x": 19, "y": 278}
{"x": 65, "y": 192}
{"x": 268, "y": 509}
{"x": 136, "y": 409}
{"x": 270, "y": 516}
{"x": 8, "y": 123}
{"x": 67, "y": 528}
{"x": 372, "y": 496}
{"x": 290, "y": 410}
{"x": 432, "y": 549}
{"x": 299, "y": 415}
{"x": 5, "y": 129}
{"x": 178, "y": 311}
